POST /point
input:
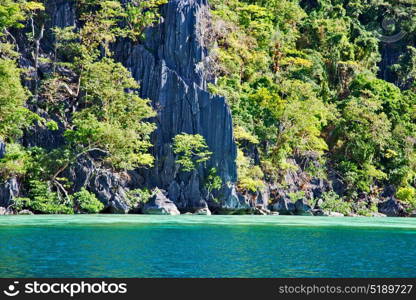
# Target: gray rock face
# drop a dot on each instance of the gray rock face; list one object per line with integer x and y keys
{"x": 392, "y": 208}
{"x": 160, "y": 205}
{"x": 170, "y": 67}
{"x": 10, "y": 188}
{"x": 109, "y": 188}
{"x": 8, "y": 191}
{"x": 110, "y": 191}
{"x": 284, "y": 206}
{"x": 63, "y": 13}
{"x": 234, "y": 201}
{"x": 2, "y": 149}
{"x": 334, "y": 214}
{"x": 303, "y": 208}
{"x": 298, "y": 179}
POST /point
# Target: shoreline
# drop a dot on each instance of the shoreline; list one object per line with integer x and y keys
{"x": 213, "y": 216}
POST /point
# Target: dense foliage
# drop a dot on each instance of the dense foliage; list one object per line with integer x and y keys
{"x": 304, "y": 78}
{"x": 87, "y": 95}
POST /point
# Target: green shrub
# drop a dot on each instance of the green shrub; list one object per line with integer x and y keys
{"x": 135, "y": 197}
{"x": 213, "y": 181}
{"x": 86, "y": 202}
{"x": 20, "y": 203}
{"x": 13, "y": 114}
{"x": 15, "y": 161}
{"x": 250, "y": 177}
{"x": 363, "y": 209}
{"x": 408, "y": 196}
{"x": 296, "y": 196}
{"x": 45, "y": 201}
{"x": 333, "y": 203}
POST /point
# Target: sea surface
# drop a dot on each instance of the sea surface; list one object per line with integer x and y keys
{"x": 201, "y": 246}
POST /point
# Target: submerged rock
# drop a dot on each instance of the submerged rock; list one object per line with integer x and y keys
{"x": 160, "y": 205}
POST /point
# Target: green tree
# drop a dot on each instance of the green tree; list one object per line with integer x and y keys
{"x": 13, "y": 114}
{"x": 14, "y": 163}
{"x": 44, "y": 201}
{"x": 191, "y": 149}
{"x": 213, "y": 182}
{"x": 113, "y": 120}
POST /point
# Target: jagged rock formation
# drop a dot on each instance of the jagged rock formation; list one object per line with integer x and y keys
{"x": 392, "y": 208}
{"x": 171, "y": 67}
{"x": 160, "y": 205}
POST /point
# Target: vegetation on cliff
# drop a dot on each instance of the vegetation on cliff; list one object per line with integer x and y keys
{"x": 108, "y": 119}
{"x": 305, "y": 80}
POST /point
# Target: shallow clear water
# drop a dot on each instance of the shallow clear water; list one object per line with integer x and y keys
{"x": 201, "y": 246}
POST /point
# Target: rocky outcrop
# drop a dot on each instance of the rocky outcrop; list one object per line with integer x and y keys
{"x": 392, "y": 208}
{"x": 171, "y": 68}
{"x": 203, "y": 211}
{"x": 8, "y": 191}
{"x": 303, "y": 208}
{"x": 298, "y": 179}
{"x": 284, "y": 206}
{"x": 110, "y": 188}
{"x": 160, "y": 205}
{"x": 171, "y": 65}
{"x": 25, "y": 212}
{"x": 10, "y": 188}
{"x": 334, "y": 214}
{"x": 2, "y": 149}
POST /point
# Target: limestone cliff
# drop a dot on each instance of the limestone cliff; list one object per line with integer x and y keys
{"x": 170, "y": 65}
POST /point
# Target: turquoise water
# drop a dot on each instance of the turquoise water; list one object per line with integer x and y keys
{"x": 201, "y": 246}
